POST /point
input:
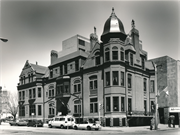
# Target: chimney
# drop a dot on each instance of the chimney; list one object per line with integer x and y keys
{"x": 36, "y": 63}
{"x": 54, "y": 56}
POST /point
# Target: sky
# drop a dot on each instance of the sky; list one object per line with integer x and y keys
{"x": 35, "y": 27}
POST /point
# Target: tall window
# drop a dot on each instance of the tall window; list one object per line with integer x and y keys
{"x": 129, "y": 105}
{"x": 107, "y": 78}
{"x": 51, "y": 109}
{"x": 152, "y": 86}
{"x": 122, "y": 78}
{"x": 51, "y": 91}
{"x": 65, "y": 69}
{"x": 97, "y": 58}
{"x": 30, "y": 93}
{"x": 51, "y": 73}
{"x": 77, "y": 86}
{"x": 34, "y": 93}
{"x": 20, "y": 96}
{"x": 107, "y": 54}
{"x": 142, "y": 63}
{"x": 29, "y": 77}
{"x": 115, "y": 103}
{"x": 39, "y": 92}
{"x": 39, "y": 110}
{"x": 23, "y": 95}
{"x": 32, "y": 109}
{"x": 77, "y": 106}
{"x": 115, "y": 53}
{"x": 122, "y": 54}
{"x": 131, "y": 59}
{"x": 129, "y": 81}
{"x": 93, "y": 105}
{"x": 145, "y": 106}
{"x": 152, "y": 106}
{"x": 21, "y": 110}
{"x": 76, "y": 65}
{"x": 61, "y": 70}
{"x": 32, "y": 77}
{"x": 145, "y": 84}
{"x": 115, "y": 77}
{"x": 122, "y": 104}
{"x": 108, "y": 104}
{"x": 24, "y": 80}
{"x": 93, "y": 82}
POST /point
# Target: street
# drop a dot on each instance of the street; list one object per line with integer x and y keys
{"x": 6, "y": 129}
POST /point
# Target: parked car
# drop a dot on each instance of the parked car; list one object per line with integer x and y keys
{"x": 22, "y": 123}
{"x": 13, "y": 123}
{"x": 62, "y": 122}
{"x": 87, "y": 125}
{"x": 35, "y": 123}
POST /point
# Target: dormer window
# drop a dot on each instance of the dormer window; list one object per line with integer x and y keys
{"x": 115, "y": 53}
{"x": 97, "y": 58}
{"x": 107, "y": 54}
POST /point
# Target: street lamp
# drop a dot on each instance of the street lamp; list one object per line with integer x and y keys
{"x": 3, "y": 39}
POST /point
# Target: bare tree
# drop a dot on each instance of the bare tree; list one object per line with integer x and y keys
{"x": 11, "y": 103}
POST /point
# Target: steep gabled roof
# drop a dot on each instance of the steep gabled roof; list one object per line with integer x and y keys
{"x": 38, "y": 68}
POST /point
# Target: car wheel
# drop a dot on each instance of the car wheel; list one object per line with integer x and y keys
{"x": 61, "y": 126}
{"x": 50, "y": 126}
{"x": 10, "y": 124}
{"x": 88, "y": 128}
{"x": 97, "y": 129}
{"x": 75, "y": 128}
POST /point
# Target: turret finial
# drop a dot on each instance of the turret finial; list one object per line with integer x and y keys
{"x": 94, "y": 30}
{"x": 133, "y": 24}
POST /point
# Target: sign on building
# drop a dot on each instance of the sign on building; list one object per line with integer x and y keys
{"x": 174, "y": 109}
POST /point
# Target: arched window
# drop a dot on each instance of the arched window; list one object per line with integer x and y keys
{"x": 93, "y": 85}
{"x": 115, "y": 53}
{"x": 122, "y": 54}
{"x": 107, "y": 54}
{"x": 97, "y": 58}
{"x": 51, "y": 91}
{"x": 77, "y": 86}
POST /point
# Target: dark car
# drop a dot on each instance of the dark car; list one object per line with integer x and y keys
{"x": 35, "y": 123}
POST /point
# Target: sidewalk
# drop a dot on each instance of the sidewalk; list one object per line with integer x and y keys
{"x": 162, "y": 127}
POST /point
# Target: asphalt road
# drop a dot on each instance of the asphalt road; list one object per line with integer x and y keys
{"x": 23, "y": 130}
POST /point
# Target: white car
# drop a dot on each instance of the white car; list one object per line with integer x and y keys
{"x": 87, "y": 125}
{"x": 62, "y": 122}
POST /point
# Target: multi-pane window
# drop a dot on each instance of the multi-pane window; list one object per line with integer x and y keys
{"x": 93, "y": 105}
{"x": 122, "y": 54}
{"x": 108, "y": 104}
{"x": 39, "y": 92}
{"x": 131, "y": 59}
{"x": 81, "y": 42}
{"x": 51, "y": 91}
{"x": 152, "y": 86}
{"x": 39, "y": 110}
{"x": 76, "y": 65}
{"x": 107, "y": 78}
{"x": 115, "y": 53}
{"x": 97, "y": 58}
{"x": 66, "y": 88}
{"x": 21, "y": 110}
{"x": 145, "y": 84}
{"x": 32, "y": 109}
{"x": 129, "y": 105}
{"x": 65, "y": 68}
{"x": 77, "y": 106}
{"x": 107, "y": 54}
{"x": 115, "y": 77}
{"x": 122, "y": 78}
{"x": 93, "y": 82}
{"x": 115, "y": 103}
{"x": 129, "y": 81}
{"x": 77, "y": 86}
{"x": 122, "y": 104}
